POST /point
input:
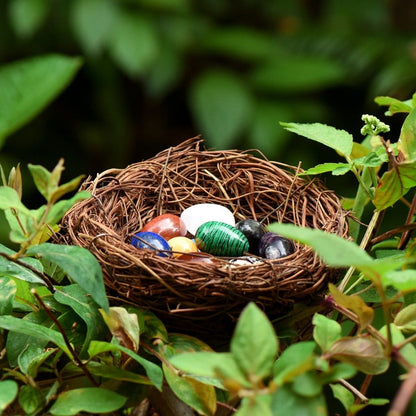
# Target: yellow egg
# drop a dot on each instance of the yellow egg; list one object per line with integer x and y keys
{"x": 181, "y": 245}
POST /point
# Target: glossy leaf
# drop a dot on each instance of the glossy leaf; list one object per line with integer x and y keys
{"x": 133, "y": 43}
{"x": 286, "y": 402}
{"x": 31, "y": 75}
{"x": 8, "y": 393}
{"x": 151, "y": 327}
{"x": 30, "y": 399}
{"x": 76, "y": 297}
{"x": 326, "y": 331}
{"x": 87, "y": 399}
{"x": 334, "y": 250}
{"x": 7, "y": 293}
{"x": 364, "y": 353}
{"x": 92, "y": 21}
{"x": 195, "y": 394}
{"x": 79, "y": 264}
{"x": 254, "y": 344}
{"x": 339, "y": 140}
{"x": 407, "y": 139}
{"x": 31, "y": 358}
{"x": 354, "y": 303}
{"x": 221, "y": 105}
{"x": 27, "y": 16}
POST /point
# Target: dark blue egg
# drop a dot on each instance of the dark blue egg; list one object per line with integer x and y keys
{"x": 254, "y": 231}
{"x": 273, "y": 246}
{"x": 152, "y": 241}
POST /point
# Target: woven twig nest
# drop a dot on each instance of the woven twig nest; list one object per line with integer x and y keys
{"x": 187, "y": 294}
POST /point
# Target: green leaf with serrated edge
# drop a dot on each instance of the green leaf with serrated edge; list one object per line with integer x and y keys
{"x": 32, "y": 75}
{"x": 405, "y": 320}
{"x": 325, "y": 167}
{"x": 79, "y": 264}
{"x": 334, "y": 250}
{"x": 152, "y": 370}
{"x": 124, "y": 326}
{"x": 407, "y": 139}
{"x": 8, "y": 393}
{"x": 254, "y": 344}
{"x": 197, "y": 395}
{"x": 7, "y": 293}
{"x": 307, "y": 384}
{"x": 21, "y": 326}
{"x": 151, "y": 327}
{"x": 30, "y": 399}
{"x": 222, "y": 105}
{"x": 258, "y": 405}
{"x": 296, "y": 359}
{"x": 364, "y": 353}
{"x": 92, "y": 22}
{"x": 343, "y": 395}
{"x": 133, "y": 43}
{"x": 339, "y": 140}
{"x": 76, "y": 297}
{"x": 27, "y": 16}
{"x": 394, "y": 184}
{"x": 342, "y": 170}
{"x": 87, "y": 399}
{"x": 286, "y": 402}
{"x": 395, "y": 105}
{"x": 326, "y": 331}
{"x": 211, "y": 367}
{"x": 408, "y": 351}
{"x": 371, "y": 160}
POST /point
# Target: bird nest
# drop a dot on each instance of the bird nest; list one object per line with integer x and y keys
{"x": 189, "y": 294}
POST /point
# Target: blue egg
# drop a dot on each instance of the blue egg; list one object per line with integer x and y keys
{"x": 152, "y": 241}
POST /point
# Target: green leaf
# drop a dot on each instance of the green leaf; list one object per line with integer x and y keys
{"x": 240, "y": 42}
{"x": 87, "y": 399}
{"x": 408, "y": 351}
{"x": 32, "y": 358}
{"x": 326, "y": 331}
{"x": 17, "y": 106}
{"x": 296, "y": 359}
{"x": 27, "y": 16}
{"x": 394, "y": 184}
{"x": 334, "y": 250}
{"x": 343, "y": 395}
{"x": 291, "y": 74}
{"x": 364, "y": 353}
{"x": 9, "y": 198}
{"x": 307, "y": 384}
{"x": 405, "y": 320}
{"x": 8, "y": 392}
{"x": 195, "y": 394}
{"x": 7, "y": 292}
{"x": 286, "y": 402}
{"x": 21, "y": 326}
{"x": 92, "y": 21}
{"x": 79, "y": 264}
{"x": 221, "y": 105}
{"x": 254, "y": 344}
{"x": 133, "y": 43}
{"x": 407, "y": 139}
{"x": 400, "y": 279}
{"x": 79, "y": 300}
{"x": 151, "y": 327}
{"x": 327, "y": 167}
{"x": 395, "y": 105}
{"x": 42, "y": 178}
{"x": 339, "y": 140}
{"x": 31, "y": 399}
{"x": 258, "y": 405}
{"x": 152, "y": 370}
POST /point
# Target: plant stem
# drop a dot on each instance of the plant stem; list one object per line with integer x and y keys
{"x": 404, "y": 394}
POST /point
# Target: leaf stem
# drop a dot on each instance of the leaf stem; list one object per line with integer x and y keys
{"x": 403, "y": 396}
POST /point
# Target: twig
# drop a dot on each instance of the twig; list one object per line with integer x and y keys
{"x": 403, "y": 396}
{"x": 354, "y": 390}
{"x": 78, "y": 361}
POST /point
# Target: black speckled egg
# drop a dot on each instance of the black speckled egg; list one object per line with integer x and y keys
{"x": 254, "y": 231}
{"x": 273, "y": 246}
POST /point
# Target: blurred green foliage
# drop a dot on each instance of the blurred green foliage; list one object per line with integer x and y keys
{"x": 158, "y": 71}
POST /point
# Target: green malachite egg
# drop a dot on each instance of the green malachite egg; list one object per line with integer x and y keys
{"x": 221, "y": 239}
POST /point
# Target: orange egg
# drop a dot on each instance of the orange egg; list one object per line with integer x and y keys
{"x": 166, "y": 225}
{"x": 181, "y": 245}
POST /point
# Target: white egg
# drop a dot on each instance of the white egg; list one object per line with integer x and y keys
{"x": 196, "y": 215}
